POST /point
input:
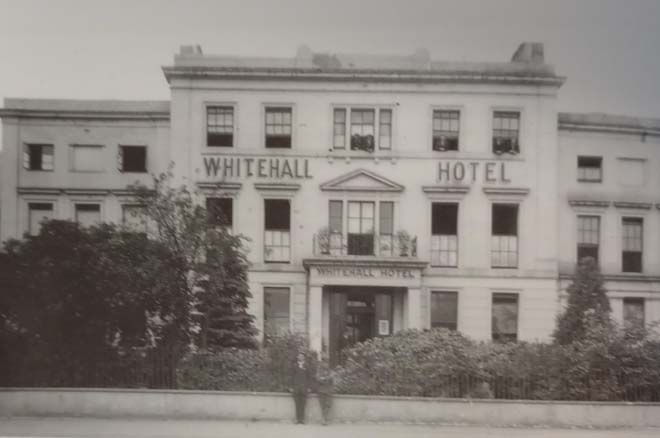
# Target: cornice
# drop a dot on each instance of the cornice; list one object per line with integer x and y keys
{"x": 452, "y": 190}
{"x": 633, "y": 205}
{"x": 84, "y": 115}
{"x": 367, "y": 261}
{"x": 514, "y": 191}
{"x": 219, "y": 185}
{"x": 277, "y": 187}
{"x": 72, "y": 191}
{"x": 362, "y": 75}
{"x": 636, "y": 278}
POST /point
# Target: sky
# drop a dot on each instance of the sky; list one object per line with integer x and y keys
{"x": 609, "y": 50}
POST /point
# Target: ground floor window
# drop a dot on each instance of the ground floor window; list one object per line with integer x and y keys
{"x": 444, "y": 309}
{"x": 276, "y": 311}
{"x": 505, "y": 317}
{"x": 633, "y": 312}
{"x": 88, "y": 214}
{"x": 38, "y": 212}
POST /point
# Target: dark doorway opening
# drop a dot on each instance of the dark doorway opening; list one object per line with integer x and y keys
{"x": 357, "y": 314}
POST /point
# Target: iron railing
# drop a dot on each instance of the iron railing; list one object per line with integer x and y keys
{"x": 365, "y": 244}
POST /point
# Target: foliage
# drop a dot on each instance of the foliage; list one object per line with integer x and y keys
{"x": 269, "y": 368}
{"x": 77, "y": 298}
{"x": 587, "y": 304}
{"x": 214, "y": 265}
{"x": 410, "y": 363}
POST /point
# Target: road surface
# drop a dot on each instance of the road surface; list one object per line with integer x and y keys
{"x": 147, "y": 428}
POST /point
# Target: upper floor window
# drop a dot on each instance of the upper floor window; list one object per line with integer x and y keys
{"x": 361, "y": 218}
{"x": 220, "y": 126}
{"x": 38, "y": 157}
{"x": 445, "y": 130}
{"x": 133, "y": 159}
{"x": 444, "y": 309}
{"x": 277, "y": 236}
{"x": 505, "y": 317}
{"x": 588, "y": 238}
{"x": 590, "y": 169}
{"x": 38, "y": 212}
{"x": 220, "y": 212}
{"x": 278, "y": 127}
{"x": 633, "y": 243}
{"x": 87, "y": 158}
{"x": 444, "y": 234}
{"x": 367, "y": 128}
{"x": 506, "y": 130}
{"x": 504, "y": 240}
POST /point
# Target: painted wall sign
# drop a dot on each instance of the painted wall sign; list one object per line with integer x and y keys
{"x": 473, "y": 171}
{"x": 365, "y": 272}
{"x": 256, "y": 167}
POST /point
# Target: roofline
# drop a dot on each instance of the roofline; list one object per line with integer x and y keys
{"x": 363, "y": 75}
{"x": 84, "y": 115}
{"x": 608, "y": 123}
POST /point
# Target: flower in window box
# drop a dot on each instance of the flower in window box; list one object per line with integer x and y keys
{"x": 404, "y": 240}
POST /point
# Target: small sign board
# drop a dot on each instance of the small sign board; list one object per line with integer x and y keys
{"x": 383, "y": 327}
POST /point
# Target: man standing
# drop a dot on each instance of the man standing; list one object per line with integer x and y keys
{"x": 301, "y": 385}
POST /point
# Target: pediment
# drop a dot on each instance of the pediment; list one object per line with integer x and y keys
{"x": 361, "y": 180}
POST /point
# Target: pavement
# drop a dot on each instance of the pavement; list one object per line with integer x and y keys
{"x": 147, "y": 428}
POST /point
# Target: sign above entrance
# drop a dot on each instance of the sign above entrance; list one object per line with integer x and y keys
{"x": 473, "y": 171}
{"x": 256, "y": 167}
{"x": 365, "y": 272}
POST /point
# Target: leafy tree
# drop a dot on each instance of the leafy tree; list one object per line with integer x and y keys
{"x": 588, "y": 305}
{"x": 75, "y": 300}
{"x": 213, "y": 263}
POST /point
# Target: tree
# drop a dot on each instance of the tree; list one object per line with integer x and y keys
{"x": 587, "y": 306}
{"x": 213, "y": 263}
{"x": 76, "y": 300}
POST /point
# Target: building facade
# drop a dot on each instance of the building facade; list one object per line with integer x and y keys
{"x": 379, "y": 193}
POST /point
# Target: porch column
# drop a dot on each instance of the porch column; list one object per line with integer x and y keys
{"x": 315, "y": 312}
{"x": 414, "y": 308}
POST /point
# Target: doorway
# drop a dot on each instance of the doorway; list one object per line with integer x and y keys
{"x": 357, "y": 314}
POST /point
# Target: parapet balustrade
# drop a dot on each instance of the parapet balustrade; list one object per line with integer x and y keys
{"x": 399, "y": 244}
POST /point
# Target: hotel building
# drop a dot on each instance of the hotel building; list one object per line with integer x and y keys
{"x": 379, "y": 193}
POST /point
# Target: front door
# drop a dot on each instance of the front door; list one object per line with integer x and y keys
{"x": 357, "y": 315}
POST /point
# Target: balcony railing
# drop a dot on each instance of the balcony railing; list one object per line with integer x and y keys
{"x": 382, "y": 245}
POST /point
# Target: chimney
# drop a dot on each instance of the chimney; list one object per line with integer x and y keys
{"x": 530, "y": 53}
{"x": 191, "y": 50}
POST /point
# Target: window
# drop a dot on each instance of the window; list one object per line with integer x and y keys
{"x": 220, "y": 212}
{"x": 588, "y": 237}
{"x": 386, "y": 228}
{"x": 444, "y": 234}
{"x": 362, "y": 128}
{"x": 360, "y": 228}
{"x": 220, "y": 126}
{"x": 444, "y": 310}
{"x": 504, "y": 239}
{"x": 133, "y": 159}
{"x": 134, "y": 218}
{"x": 38, "y": 157}
{"x": 278, "y": 127}
{"x": 38, "y": 212}
{"x": 505, "y": 317}
{"x": 633, "y": 238}
{"x": 88, "y": 214}
{"x": 506, "y": 127}
{"x": 445, "y": 130}
{"x": 633, "y": 313}
{"x": 276, "y": 311}
{"x": 590, "y": 169}
{"x": 86, "y": 158}
{"x": 277, "y": 239}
